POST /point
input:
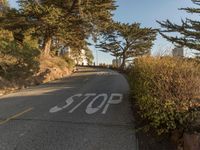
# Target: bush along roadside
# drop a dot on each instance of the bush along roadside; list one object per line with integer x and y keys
{"x": 21, "y": 65}
{"x": 166, "y": 92}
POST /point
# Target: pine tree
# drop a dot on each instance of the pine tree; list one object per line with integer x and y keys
{"x": 70, "y": 21}
{"x": 127, "y": 41}
{"x": 13, "y": 21}
{"x": 46, "y": 21}
{"x": 187, "y": 33}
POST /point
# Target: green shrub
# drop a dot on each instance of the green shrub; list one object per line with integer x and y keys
{"x": 17, "y": 60}
{"x": 165, "y": 90}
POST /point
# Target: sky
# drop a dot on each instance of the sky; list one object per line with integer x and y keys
{"x": 145, "y": 12}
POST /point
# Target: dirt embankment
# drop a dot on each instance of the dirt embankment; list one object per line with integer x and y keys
{"x": 49, "y": 69}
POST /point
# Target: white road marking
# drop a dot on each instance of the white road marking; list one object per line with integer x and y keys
{"x": 87, "y": 96}
{"x": 115, "y": 98}
{"x": 90, "y": 109}
{"x": 113, "y": 101}
{"x": 69, "y": 101}
{"x": 55, "y": 109}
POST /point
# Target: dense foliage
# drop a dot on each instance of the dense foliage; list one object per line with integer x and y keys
{"x": 17, "y": 60}
{"x": 43, "y": 29}
{"x": 70, "y": 22}
{"x": 165, "y": 90}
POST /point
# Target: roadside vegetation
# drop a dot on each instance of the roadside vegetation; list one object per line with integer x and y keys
{"x": 22, "y": 65}
{"x": 166, "y": 90}
{"x": 36, "y": 37}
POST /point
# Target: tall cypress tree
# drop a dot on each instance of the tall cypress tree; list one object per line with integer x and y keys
{"x": 70, "y": 21}
{"x": 188, "y": 32}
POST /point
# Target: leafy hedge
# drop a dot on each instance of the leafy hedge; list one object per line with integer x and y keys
{"x": 165, "y": 90}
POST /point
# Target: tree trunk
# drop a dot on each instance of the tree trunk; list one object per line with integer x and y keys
{"x": 46, "y": 46}
{"x": 123, "y": 61}
{"x": 117, "y": 62}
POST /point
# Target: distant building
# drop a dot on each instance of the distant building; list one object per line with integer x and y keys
{"x": 178, "y": 52}
{"x": 81, "y": 59}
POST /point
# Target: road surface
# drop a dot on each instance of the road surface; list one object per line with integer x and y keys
{"x": 89, "y": 110}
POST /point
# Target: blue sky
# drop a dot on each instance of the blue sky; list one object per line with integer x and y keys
{"x": 146, "y": 12}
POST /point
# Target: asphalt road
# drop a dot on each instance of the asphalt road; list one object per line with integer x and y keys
{"x": 89, "y": 110}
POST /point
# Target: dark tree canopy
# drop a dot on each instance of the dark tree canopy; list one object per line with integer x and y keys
{"x": 69, "y": 21}
{"x": 188, "y": 33}
{"x": 127, "y": 41}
